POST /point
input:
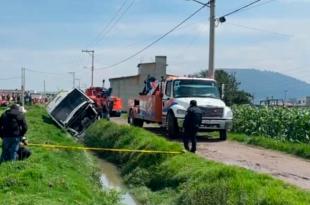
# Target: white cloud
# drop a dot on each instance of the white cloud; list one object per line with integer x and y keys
{"x": 234, "y": 48}
{"x": 295, "y": 1}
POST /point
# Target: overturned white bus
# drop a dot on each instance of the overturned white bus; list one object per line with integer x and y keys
{"x": 73, "y": 111}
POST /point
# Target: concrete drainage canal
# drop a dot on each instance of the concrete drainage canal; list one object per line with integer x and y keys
{"x": 110, "y": 179}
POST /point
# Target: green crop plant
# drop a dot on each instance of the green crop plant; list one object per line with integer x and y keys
{"x": 287, "y": 124}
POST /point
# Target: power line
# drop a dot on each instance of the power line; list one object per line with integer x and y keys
{"x": 50, "y": 73}
{"x": 155, "y": 41}
{"x": 259, "y": 5}
{"x": 108, "y": 25}
{"x": 260, "y": 30}
{"x": 241, "y": 8}
{"x": 10, "y": 78}
{"x": 116, "y": 21}
{"x": 42, "y": 72}
{"x": 112, "y": 19}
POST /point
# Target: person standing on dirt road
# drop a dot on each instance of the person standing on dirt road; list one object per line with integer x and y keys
{"x": 191, "y": 125}
{"x": 13, "y": 127}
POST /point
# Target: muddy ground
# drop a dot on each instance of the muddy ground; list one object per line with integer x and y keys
{"x": 286, "y": 167}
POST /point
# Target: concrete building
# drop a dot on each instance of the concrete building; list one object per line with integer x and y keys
{"x": 304, "y": 101}
{"x": 129, "y": 87}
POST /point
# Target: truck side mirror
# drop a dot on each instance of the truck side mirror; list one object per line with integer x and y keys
{"x": 222, "y": 91}
{"x": 136, "y": 103}
{"x": 109, "y": 91}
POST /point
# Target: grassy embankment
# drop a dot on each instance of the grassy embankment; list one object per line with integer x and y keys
{"x": 51, "y": 176}
{"x": 185, "y": 178}
{"x": 277, "y": 128}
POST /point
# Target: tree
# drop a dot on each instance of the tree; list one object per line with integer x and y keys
{"x": 232, "y": 94}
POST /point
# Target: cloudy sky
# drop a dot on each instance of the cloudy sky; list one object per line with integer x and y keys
{"x": 48, "y": 36}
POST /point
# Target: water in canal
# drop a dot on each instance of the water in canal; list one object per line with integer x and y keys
{"x": 110, "y": 179}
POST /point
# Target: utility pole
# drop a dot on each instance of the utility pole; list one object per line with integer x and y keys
{"x": 79, "y": 80}
{"x": 92, "y": 53}
{"x": 211, "y": 39}
{"x": 223, "y": 91}
{"x": 23, "y": 84}
{"x": 73, "y": 79}
{"x": 285, "y": 95}
{"x": 44, "y": 89}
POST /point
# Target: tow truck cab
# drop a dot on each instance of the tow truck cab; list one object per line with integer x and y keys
{"x": 177, "y": 94}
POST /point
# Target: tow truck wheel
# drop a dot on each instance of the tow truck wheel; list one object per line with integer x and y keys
{"x": 138, "y": 122}
{"x": 172, "y": 126}
{"x": 133, "y": 121}
{"x": 223, "y": 135}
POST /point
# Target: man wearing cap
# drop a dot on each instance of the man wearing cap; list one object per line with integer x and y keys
{"x": 13, "y": 127}
{"x": 191, "y": 125}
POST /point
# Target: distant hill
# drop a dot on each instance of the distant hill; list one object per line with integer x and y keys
{"x": 270, "y": 84}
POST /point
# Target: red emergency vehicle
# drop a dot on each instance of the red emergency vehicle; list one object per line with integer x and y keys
{"x": 102, "y": 98}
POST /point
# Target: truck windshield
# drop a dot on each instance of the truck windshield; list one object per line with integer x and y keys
{"x": 195, "y": 88}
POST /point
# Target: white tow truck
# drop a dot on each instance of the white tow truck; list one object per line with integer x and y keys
{"x": 166, "y": 104}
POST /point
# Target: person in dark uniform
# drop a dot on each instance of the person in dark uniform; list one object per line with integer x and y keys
{"x": 191, "y": 125}
{"x": 13, "y": 127}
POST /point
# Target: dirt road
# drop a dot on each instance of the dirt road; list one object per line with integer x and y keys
{"x": 288, "y": 168}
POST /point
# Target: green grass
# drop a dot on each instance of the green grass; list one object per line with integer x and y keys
{"x": 51, "y": 176}
{"x": 298, "y": 149}
{"x": 185, "y": 178}
{"x": 124, "y": 115}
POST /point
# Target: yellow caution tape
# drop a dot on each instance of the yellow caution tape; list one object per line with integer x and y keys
{"x": 102, "y": 149}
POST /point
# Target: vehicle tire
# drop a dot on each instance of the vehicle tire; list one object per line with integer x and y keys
{"x": 133, "y": 121}
{"x": 172, "y": 126}
{"x": 117, "y": 114}
{"x": 111, "y": 104}
{"x": 223, "y": 135}
{"x": 138, "y": 123}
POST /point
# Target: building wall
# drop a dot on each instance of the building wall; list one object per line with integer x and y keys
{"x": 304, "y": 101}
{"x": 130, "y": 87}
{"x": 157, "y": 69}
{"x": 126, "y": 88}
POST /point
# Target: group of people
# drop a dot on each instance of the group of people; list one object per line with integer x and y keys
{"x": 29, "y": 99}
{"x": 13, "y": 128}
{"x": 10, "y": 98}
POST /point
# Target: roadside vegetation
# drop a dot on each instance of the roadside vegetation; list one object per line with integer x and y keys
{"x": 278, "y": 128}
{"x": 289, "y": 124}
{"x": 294, "y": 148}
{"x": 185, "y": 178}
{"x": 51, "y": 176}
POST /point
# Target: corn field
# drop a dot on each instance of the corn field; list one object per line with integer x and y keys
{"x": 292, "y": 124}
